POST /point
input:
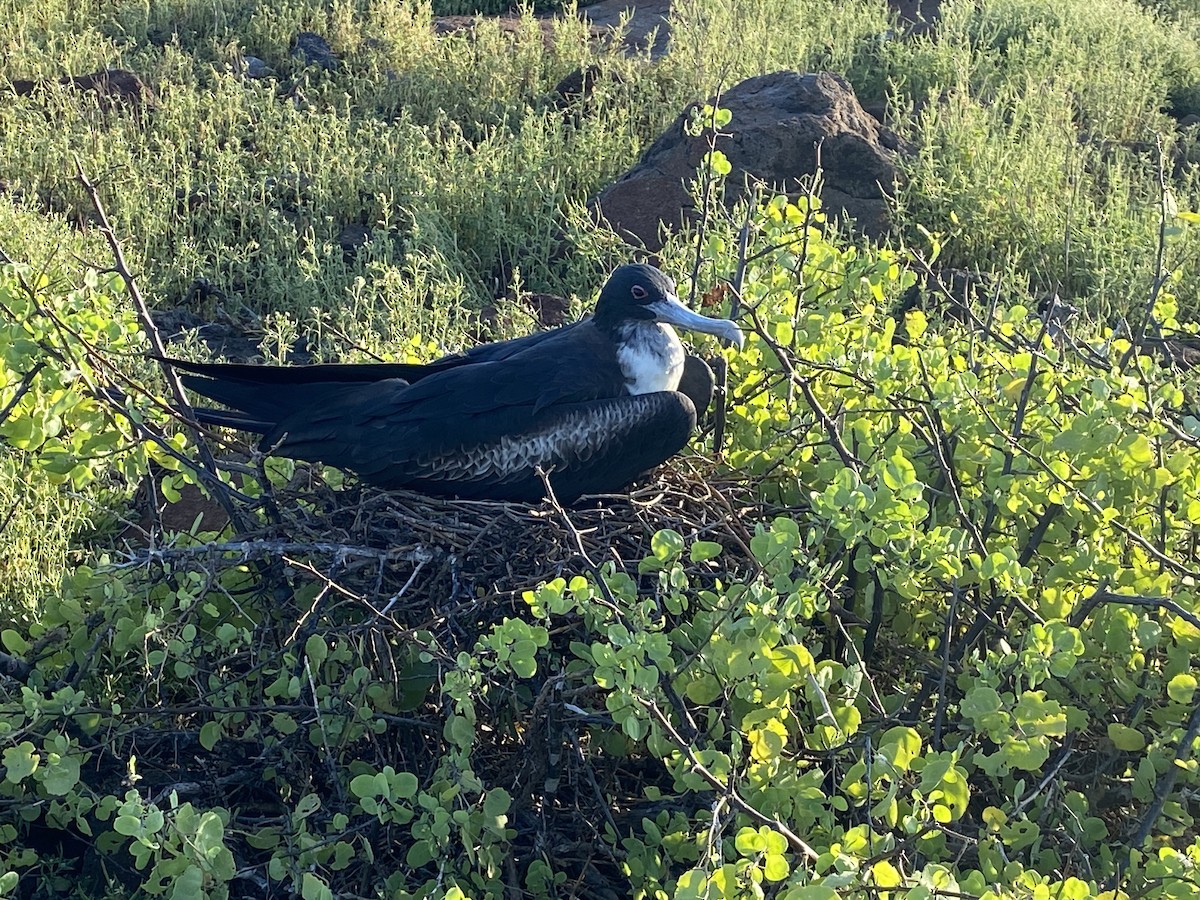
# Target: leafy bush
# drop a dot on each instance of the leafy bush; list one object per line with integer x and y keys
{"x": 929, "y": 630}
{"x": 60, "y": 442}
{"x": 974, "y": 592}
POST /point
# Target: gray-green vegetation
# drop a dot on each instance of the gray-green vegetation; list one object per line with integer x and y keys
{"x": 927, "y": 628}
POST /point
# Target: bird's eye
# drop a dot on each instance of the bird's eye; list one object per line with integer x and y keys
{"x": 639, "y": 292}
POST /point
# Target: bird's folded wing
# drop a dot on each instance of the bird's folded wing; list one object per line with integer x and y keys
{"x": 463, "y": 407}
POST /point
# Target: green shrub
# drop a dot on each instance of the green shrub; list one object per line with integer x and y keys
{"x": 971, "y": 588}
{"x": 60, "y": 443}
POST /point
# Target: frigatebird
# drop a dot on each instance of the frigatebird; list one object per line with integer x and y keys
{"x": 593, "y": 404}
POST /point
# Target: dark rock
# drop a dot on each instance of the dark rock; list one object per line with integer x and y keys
{"x": 603, "y": 18}
{"x": 192, "y": 513}
{"x": 508, "y": 24}
{"x": 917, "y": 16}
{"x": 958, "y": 294}
{"x": 352, "y": 238}
{"x": 783, "y": 125}
{"x": 577, "y": 87}
{"x": 314, "y": 50}
{"x": 254, "y": 68}
{"x": 551, "y": 310}
{"x": 115, "y": 88}
{"x": 443, "y": 25}
{"x": 1181, "y": 351}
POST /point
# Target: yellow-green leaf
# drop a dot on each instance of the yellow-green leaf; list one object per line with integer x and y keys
{"x": 1125, "y": 738}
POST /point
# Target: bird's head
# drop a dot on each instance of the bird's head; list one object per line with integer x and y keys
{"x": 640, "y": 292}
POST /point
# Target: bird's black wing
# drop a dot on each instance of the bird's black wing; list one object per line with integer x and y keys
{"x": 266, "y": 394}
{"x": 463, "y": 405}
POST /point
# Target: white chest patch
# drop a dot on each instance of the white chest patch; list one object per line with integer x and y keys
{"x": 651, "y": 358}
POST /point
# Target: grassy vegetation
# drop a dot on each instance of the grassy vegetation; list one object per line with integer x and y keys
{"x": 1038, "y": 125}
{"x": 1052, "y": 149}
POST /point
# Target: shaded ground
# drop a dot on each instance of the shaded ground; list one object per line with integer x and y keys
{"x": 918, "y": 16}
{"x": 645, "y": 16}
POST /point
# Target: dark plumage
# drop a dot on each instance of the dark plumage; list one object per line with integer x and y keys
{"x": 594, "y": 403}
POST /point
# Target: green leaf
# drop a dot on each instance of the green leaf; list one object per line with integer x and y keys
{"x": 169, "y": 491}
{"x": 20, "y": 762}
{"x": 404, "y": 786}
{"x": 1125, "y": 738}
{"x": 749, "y": 842}
{"x": 1140, "y": 451}
{"x": 1028, "y": 754}
{"x": 313, "y": 888}
{"x": 127, "y": 825}
{"x": 704, "y": 550}
{"x": 691, "y": 885}
{"x": 316, "y": 649}
{"x": 901, "y": 745}
{"x": 210, "y": 833}
{"x": 496, "y": 803}
{"x": 703, "y": 690}
{"x": 718, "y": 162}
{"x": 775, "y": 867}
{"x": 898, "y": 472}
{"x": 810, "y": 892}
{"x": 419, "y": 854}
{"x": 210, "y": 733}
{"x": 364, "y": 786}
{"x": 980, "y": 701}
{"x": 666, "y": 545}
{"x": 60, "y": 774}
{"x": 189, "y": 885}
{"x": 308, "y": 805}
{"x": 14, "y": 642}
{"x": 523, "y": 660}
{"x": 886, "y": 875}
{"x": 459, "y": 731}
{"x": 1182, "y": 687}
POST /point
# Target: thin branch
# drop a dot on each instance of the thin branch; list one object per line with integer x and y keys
{"x": 1160, "y": 273}
{"x": 1106, "y": 596}
{"x": 22, "y": 389}
{"x": 726, "y": 790}
{"x": 220, "y": 490}
{"x": 1166, "y": 781}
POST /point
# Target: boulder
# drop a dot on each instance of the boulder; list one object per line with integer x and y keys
{"x": 313, "y": 50}
{"x": 782, "y": 124}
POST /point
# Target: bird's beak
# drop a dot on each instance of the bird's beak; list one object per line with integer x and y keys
{"x": 672, "y": 312}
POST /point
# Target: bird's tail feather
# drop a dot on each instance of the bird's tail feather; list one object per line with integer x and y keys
{"x": 343, "y": 373}
{"x": 261, "y": 400}
{"x": 227, "y": 419}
